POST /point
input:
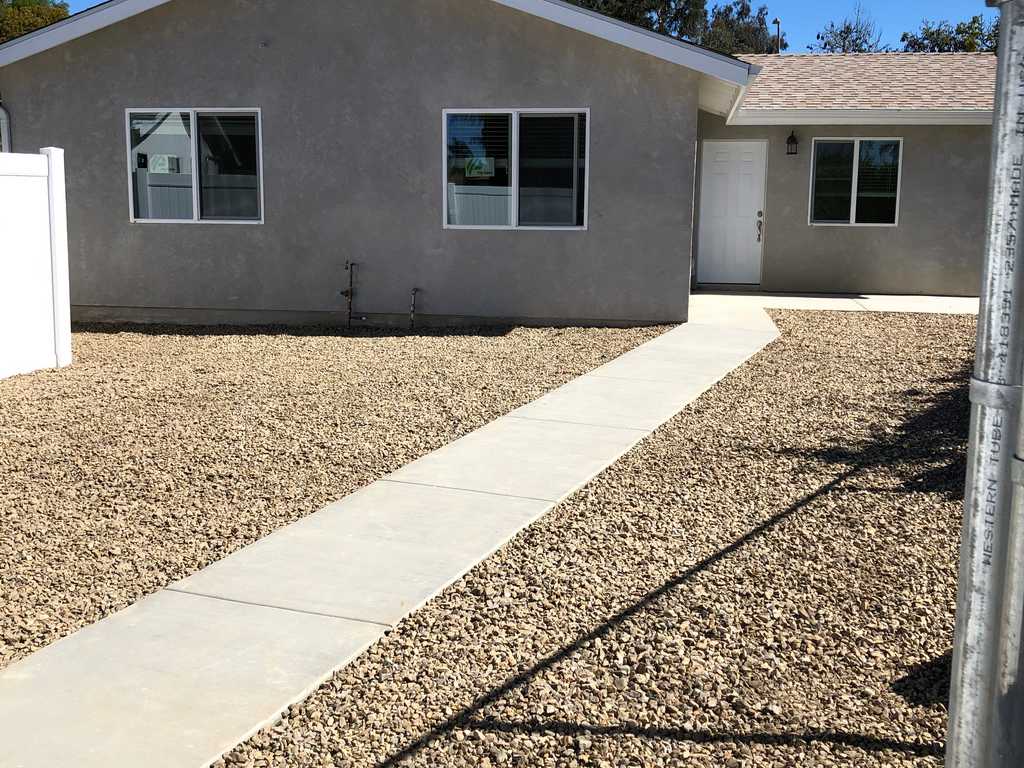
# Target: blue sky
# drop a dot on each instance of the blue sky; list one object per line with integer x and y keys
{"x": 801, "y": 19}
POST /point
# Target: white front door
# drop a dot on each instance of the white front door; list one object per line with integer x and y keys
{"x": 731, "y": 234}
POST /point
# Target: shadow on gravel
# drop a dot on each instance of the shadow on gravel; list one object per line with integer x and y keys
{"x": 927, "y": 683}
{"x": 468, "y": 717}
{"x": 838, "y": 738}
{"x": 927, "y": 451}
{"x": 359, "y": 332}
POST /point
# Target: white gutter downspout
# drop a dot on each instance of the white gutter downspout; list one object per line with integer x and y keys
{"x": 5, "y": 129}
{"x": 752, "y": 71}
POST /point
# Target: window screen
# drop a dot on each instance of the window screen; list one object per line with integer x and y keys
{"x": 479, "y": 187}
{"x": 161, "y": 165}
{"x": 552, "y": 164}
{"x": 833, "y": 177}
{"x": 877, "y": 182}
{"x": 228, "y": 167}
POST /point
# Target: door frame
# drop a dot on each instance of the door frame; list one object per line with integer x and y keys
{"x": 764, "y": 207}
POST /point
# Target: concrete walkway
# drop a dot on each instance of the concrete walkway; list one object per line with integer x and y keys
{"x": 184, "y": 675}
{"x": 711, "y": 306}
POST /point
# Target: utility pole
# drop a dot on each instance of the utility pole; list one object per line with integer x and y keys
{"x": 778, "y": 34}
{"x": 985, "y": 730}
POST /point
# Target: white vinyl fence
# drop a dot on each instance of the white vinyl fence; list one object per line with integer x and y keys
{"x": 35, "y": 305}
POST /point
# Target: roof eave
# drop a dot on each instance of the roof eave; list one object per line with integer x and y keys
{"x": 73, "y": 27}
{"x": 717, "y": 65}
{"x": 746, "y": 116}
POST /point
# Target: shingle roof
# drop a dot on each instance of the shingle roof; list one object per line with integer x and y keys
{"x": 911, "y": 81}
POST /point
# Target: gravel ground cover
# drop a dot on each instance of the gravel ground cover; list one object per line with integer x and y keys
{"x": 163, "y": 450}
{"x": 768, "y": 580}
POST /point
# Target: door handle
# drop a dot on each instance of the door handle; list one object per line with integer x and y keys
{"x": 760, "y": 229}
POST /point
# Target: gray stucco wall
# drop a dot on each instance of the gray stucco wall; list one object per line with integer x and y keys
{"x": 937, "y": 247}
{"x": 352, "y": 94}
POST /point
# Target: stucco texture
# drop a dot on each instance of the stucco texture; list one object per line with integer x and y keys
{"x": 352, "y": 95}
{"x": 938, "y": 245}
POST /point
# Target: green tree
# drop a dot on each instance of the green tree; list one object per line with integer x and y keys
{"x": 942, "y": 37}
{"x": 736, "y": 28}
{"x": 685, "y": 19}
{"x": 731, "y": 28}
{"x": 640, "y": 13}
{"x": 854, "y": 34}
{"x": 19, "y": 17}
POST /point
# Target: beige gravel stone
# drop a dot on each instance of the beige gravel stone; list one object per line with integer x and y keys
{"x": 768, "y": 580}
{"x": 163, "y": 450}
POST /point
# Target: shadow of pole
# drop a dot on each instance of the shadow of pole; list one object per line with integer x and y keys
{"x": 838, "y": 738}
{"x": 926, "y": 684}
{"x": 927, "y": 451}
{"x": 464, "y": 716}
{"x": 928, "y": 447}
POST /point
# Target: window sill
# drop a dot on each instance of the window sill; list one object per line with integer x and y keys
{"x": 496, "y": 228}
{"x": 254, "y": 222}
{"x": 852, "y": 226}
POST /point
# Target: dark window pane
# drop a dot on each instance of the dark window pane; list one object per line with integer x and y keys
{"x": 229, "y": 186}
{"x": 581, "y": 171}
{"x": 877, "y": 180}
{"x": 479, "y": 170}
{"x": 161, "y": 165}
{"x": 551, "y": 170}
{"x": 833, "y": 182}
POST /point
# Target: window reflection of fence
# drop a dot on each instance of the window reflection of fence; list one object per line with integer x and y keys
{"x": 476, "y": 206}
{"x": 163, "y": 195}
{"x": 547, "y": 206}
{"x": 229, "y": 197}
{"x": 470, "y": 206}
{"x": 169, "y": 196}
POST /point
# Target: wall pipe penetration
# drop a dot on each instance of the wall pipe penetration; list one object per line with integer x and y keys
{"x": 350, "y": 292}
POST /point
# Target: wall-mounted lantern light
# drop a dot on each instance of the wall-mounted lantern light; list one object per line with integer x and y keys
{"x": 792, "y": 144}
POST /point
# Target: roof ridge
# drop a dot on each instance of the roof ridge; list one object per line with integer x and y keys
{"x": 810, "y": 55}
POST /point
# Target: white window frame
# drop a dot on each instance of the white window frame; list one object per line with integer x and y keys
{"x": 193, "y": 112}
{"x": 514, "y": 163}
{"x": 853, "y": 189}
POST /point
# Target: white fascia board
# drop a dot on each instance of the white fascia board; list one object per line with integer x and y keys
{"x": 861, "y": 117}
{"x": 73, "y": 27}
{"x": 693, "y": 57}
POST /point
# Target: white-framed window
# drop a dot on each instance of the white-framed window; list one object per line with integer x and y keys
{"x": 855, "y": 182}
{"x": 195, "y": 165}
{"x": 516, "y": 168}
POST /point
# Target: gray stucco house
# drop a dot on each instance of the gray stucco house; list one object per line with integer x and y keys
{"x": 506, "y": 159}
{"x": 887, "y": 191}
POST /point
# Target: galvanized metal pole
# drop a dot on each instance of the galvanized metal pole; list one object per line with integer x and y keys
{"x": 995, "y": 416}
{"x": 1007, "y": 747}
